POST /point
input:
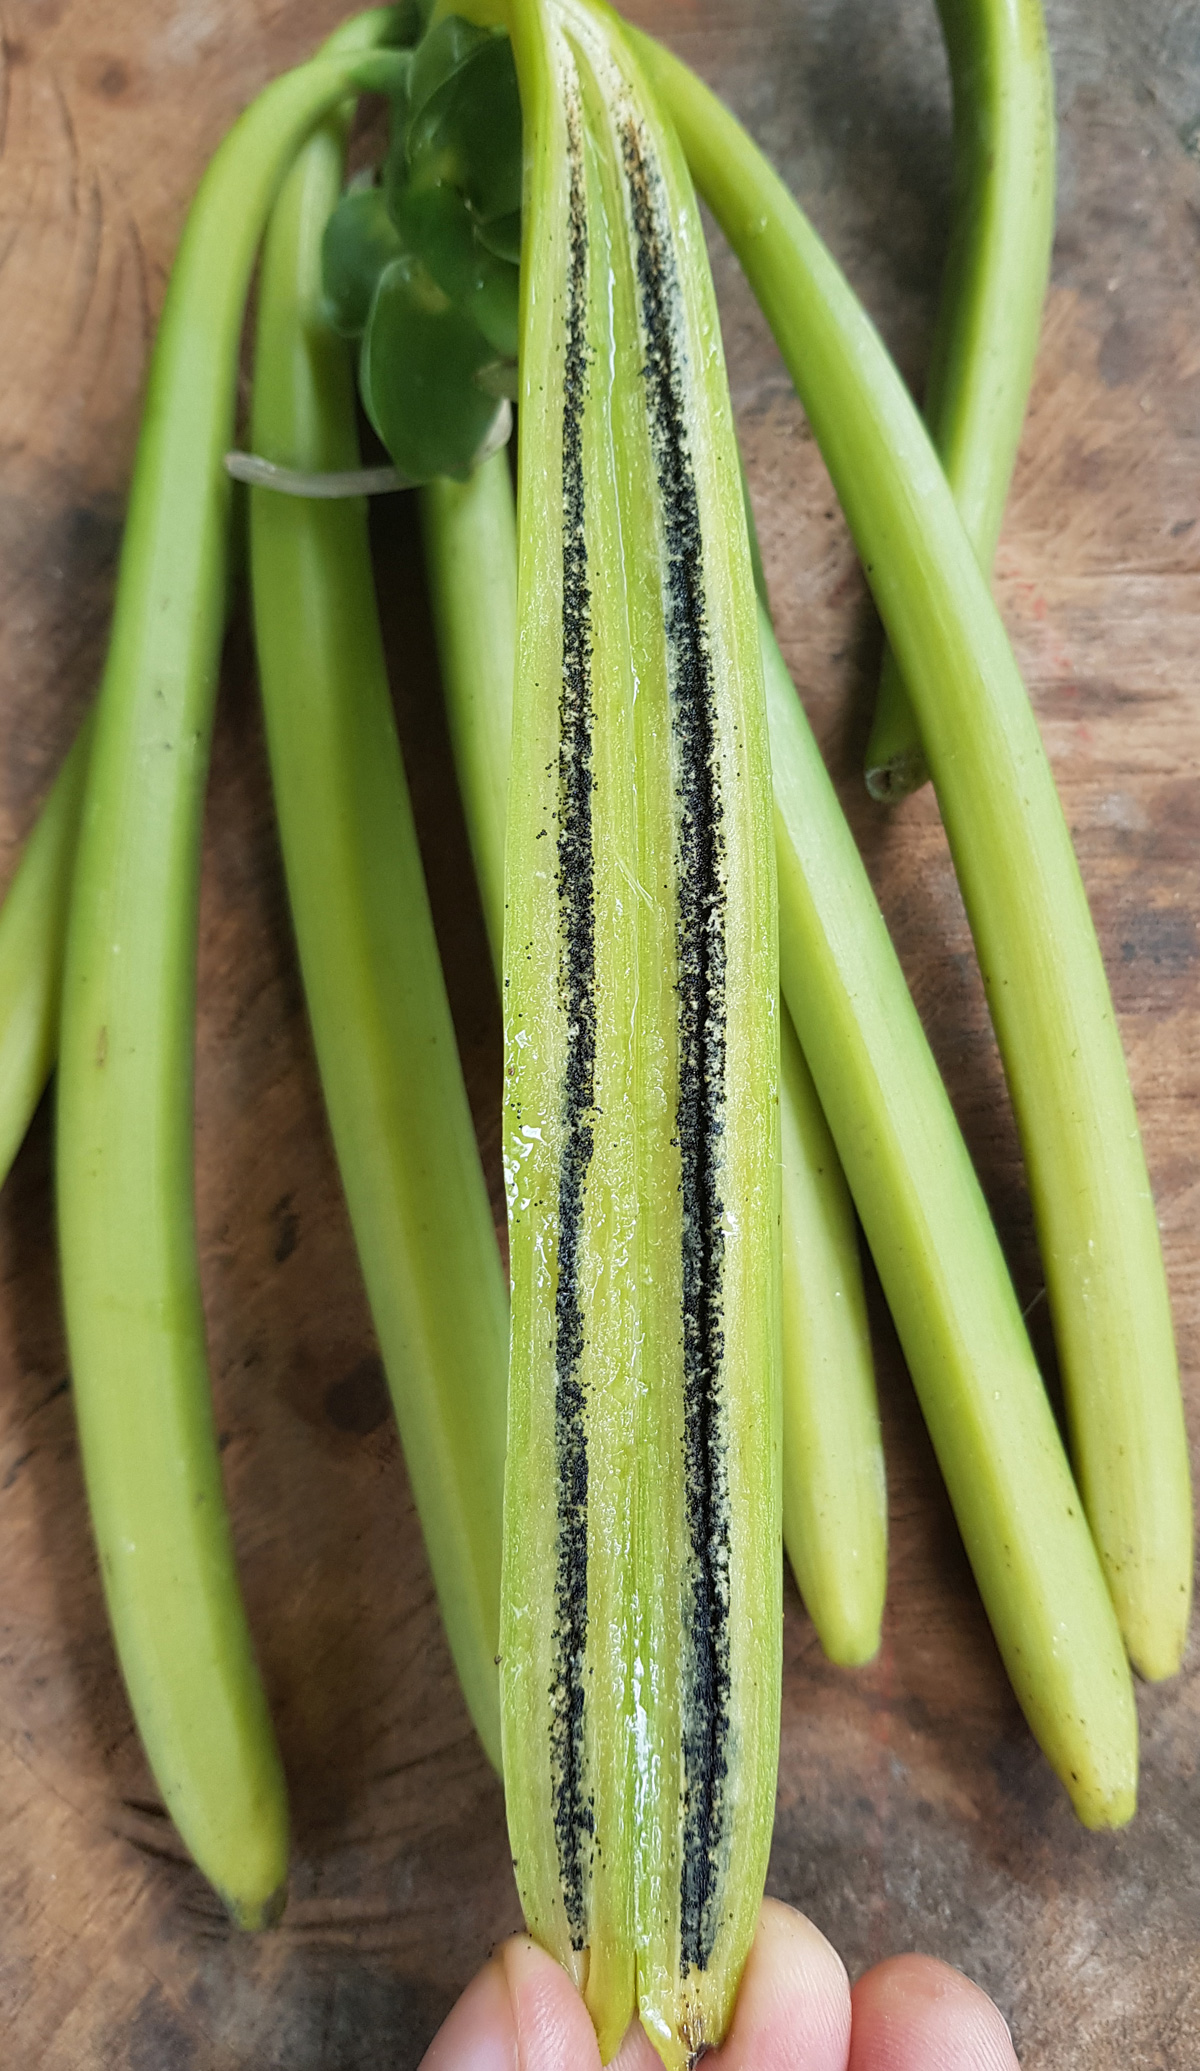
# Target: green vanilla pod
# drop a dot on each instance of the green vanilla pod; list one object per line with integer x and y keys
{"x": 834, "y": 1476}
{"x": 946, "y": 1283}
{"x": 641, "y": 1626}
{"x": 126, "y": 1210}
{"x": 34, "y": 916}
{"x": 470, "y": 535}
{"x": 381, "y": 1024}
{"x": 990, "y": 307}
{"x": 1040, "y": 961}
{"x": 33, "y": 928}
{"x": 834, "y": 1483}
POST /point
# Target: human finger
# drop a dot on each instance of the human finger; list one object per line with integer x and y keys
{"x": 915, "y": 2014}
{"x": 793, "y": 2006}
{"x": 521, "y": 2013}
{"x": 478, "y": 2034}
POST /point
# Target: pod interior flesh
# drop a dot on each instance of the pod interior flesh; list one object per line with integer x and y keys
{"x": 640, "y": 1650}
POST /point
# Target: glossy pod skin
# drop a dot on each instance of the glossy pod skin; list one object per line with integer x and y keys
{"x": 470, "y": 535}
{"x": 131, "y": 1286}
{"x": 834, "y": 1482}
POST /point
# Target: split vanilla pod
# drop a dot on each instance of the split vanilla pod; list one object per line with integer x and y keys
{"x": 641, "y": 1617}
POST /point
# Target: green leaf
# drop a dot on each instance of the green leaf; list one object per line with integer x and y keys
{"x": 360, "y": 240}
{"x": 417, "y": 375}
{"x": 503, "y": 236}
{"x": 468, "y": 132}
{"x": 436, "y": 223}
{"x": 442, "y": 51}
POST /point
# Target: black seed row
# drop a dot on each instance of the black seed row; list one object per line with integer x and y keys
{"x": 700, "y": 1119}
{"x": 573, "y": 1817}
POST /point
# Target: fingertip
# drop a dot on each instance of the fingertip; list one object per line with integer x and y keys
{"x": 479, "y": 2033}
{"x": 793, "y": 2006}
{"x": 913, "y": 2013}
{"x": 552, "y": 2026}
{"x": 521, "y": 2013}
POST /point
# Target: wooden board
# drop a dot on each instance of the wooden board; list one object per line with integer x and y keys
{"x": 914, "y": 1810}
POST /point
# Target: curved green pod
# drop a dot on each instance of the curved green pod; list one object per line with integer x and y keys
{"x": 33, "y": 934}
{"x": 1037, "y": 948}
{"x": 642, "y": 1612}
{"x": 946, "y": 1284}
{"x": 990, "y": 306}
{"x": 131, "y": 1284}
{"x": 834, "y": 1485}
{"x": 470, "y": 534}
{"x": 835, "y": 1526}
{"x": 381, "y": 1025}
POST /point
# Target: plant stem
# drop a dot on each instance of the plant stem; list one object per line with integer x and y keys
{"x": 1037, "y": 947}
{"x": 380, "y": 1018}
{"x": 990, "y": 308}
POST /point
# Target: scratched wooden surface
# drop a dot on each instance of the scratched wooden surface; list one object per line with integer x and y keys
{"x": 914, "y": 1810}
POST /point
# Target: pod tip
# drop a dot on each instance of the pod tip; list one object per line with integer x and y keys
{"x": 1102, "y": 1810}
{"x": 850, "y": 1646}
{"x": 888, "y": 782}
{"x": 1157, "y": 1656}
{"x": 254, "y": 1915}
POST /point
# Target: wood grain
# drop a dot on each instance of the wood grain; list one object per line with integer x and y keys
{"x": 914, "y": 1811}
